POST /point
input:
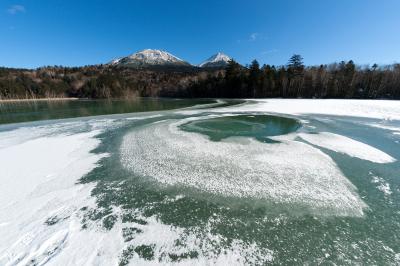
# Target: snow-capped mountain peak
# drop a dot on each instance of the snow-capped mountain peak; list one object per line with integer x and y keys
{"x": 155, "y": 56}
{"x": 217, "y": 60}
{"x": 150, "y": 57}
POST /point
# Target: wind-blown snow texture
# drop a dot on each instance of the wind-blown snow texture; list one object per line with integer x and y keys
{"x": 40, "y": 168}
{"x": 305, "y": 177}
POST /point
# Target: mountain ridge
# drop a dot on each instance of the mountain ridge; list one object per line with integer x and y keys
{"x": 150, "y": 58}
{"x": 218, "y": 60}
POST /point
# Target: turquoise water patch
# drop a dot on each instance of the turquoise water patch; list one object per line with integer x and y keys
{"x": 259, "y": 127}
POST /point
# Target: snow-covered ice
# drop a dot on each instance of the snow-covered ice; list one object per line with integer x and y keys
{"x": 40, "y": 166}
{"x": 290, "y": 172}
{"x": 351, "y": 147}
{"x": 380, "y": 109}
{"x": 39, "y": 186}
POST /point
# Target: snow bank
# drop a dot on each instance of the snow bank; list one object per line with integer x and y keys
{"x": 28, "y": 169}
{"x": 380, "y": 109}
{"x": 347, "y": 146}
{"x": 40, "y": 197}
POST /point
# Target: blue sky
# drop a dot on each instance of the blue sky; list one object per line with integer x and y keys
{"x": 57, "y": 32}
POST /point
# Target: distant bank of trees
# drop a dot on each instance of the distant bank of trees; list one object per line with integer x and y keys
{"x": 96, "y": 82}
{"x": 338, "y": 80}
{"x": 294, "y": 80}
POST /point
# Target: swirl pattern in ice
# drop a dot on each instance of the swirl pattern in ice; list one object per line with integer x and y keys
{"x": 290, "y": 173}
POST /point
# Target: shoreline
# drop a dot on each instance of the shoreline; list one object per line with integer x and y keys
{"x": 38, "y": 99}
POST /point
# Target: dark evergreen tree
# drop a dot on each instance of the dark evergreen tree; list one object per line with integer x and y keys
{"x": 295, "y": 64}
{"x": 254, "y": 79}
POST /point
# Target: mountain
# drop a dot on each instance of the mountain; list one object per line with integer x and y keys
{"x": 150, "y": 58}
{"x": 217, "y": 60}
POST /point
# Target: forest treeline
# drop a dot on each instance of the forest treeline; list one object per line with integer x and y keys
{"x": 338, "y": 80}
{"x": 294, "y": 80}
{"x": 99, "y": 81}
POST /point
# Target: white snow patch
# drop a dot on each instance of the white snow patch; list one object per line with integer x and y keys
{"x": 380, "y": 109}
{"x": 351, "y": 147}
{"x": 382, "y": 185}
{"x": 210, "y": 247}
{"x": 143, "y": 117}
{"x": 40, "y": 198}
{"x": 30, "y": 167}
{"x": 397, "y": 258}
{"x": 23, "y": 134}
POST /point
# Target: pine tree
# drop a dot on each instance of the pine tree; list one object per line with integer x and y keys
{"x": 295, "y": 65}
{"x": 254, "y": 78}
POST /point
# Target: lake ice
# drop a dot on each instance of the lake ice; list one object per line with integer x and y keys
{"x": 141, "y": 189}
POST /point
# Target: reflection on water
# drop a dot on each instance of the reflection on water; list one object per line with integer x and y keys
{"x": 13, "y": 112}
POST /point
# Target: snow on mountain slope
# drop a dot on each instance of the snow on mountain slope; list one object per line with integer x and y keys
{"x": 150, "y": 57}
{"x": 217, "y": 60}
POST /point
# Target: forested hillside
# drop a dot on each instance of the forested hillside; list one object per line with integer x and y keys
{"x": 100, "y": 81}
{"x": 338, "y": 80}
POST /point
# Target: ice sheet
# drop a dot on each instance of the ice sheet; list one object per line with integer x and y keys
{"x": 347, "y": 146}
{"x": 40, "y": 198}
{"x": 380, "y": 109}
{"x": 290, "y": 172}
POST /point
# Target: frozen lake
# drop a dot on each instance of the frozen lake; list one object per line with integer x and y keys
{"x": 221, "y": 182}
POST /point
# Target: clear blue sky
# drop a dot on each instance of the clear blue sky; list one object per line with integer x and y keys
{"x": 70, "y": 32}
